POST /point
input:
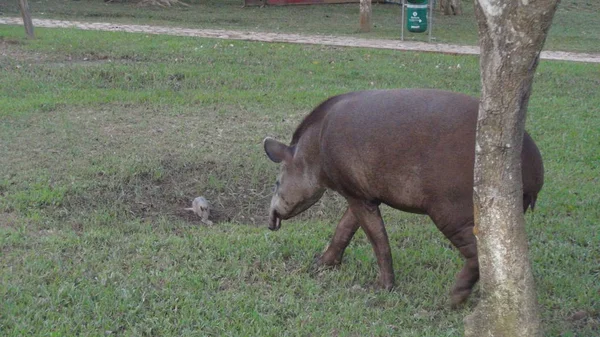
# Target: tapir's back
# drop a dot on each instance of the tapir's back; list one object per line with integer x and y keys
{"x": 407, "y": 148}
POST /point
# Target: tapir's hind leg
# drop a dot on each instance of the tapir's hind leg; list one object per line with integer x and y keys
{"x": 341, "y": 238}
{"x": 464, "y": 240}
{"x": 459, "y": 230}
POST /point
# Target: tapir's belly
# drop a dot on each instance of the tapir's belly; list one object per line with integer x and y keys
{"x": 410, "y": 188}
{"x": 408, "y": 156}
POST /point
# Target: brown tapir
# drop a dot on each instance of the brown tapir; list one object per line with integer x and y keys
{"x": 410, "y": 149}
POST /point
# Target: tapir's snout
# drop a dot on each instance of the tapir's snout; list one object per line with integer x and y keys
{"x": 278, "y": 213}
{"x": 274, "y": 221}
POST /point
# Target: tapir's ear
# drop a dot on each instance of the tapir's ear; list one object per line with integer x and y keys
{"x": 277, "y": 151}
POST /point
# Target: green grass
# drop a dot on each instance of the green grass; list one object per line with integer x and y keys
{"x": 575, "y": 26}
{"x": 106, "y": 136}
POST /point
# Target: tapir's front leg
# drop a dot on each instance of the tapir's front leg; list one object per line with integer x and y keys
{"x": 341, "y": 238}
{"x": 370, "y": 220}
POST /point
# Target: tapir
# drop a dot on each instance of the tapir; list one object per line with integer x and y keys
{"x": 411, "y": 149}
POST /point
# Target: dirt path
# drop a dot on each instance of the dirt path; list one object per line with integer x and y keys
{"x": 291, "y": 38}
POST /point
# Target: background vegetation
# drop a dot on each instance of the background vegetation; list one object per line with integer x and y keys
{"x": 575, "y": 26}
{"x": 106, "y": 136}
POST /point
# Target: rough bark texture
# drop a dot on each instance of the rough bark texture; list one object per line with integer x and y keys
{"x": 511, "y": 35}
{"x": 365, "y": 16}
{"x": 451, "y": 7}
{"x": 24, "y": 6}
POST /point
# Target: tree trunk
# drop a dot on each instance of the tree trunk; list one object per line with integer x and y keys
{"x": 365, "y": 16}
{"x": 450, "y": 7}
{"x": 26, "y": 18}
{"x": 511, "y": 35}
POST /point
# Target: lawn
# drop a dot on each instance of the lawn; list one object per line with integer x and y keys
{"x": 107, "y": 136}
{"x": 575, "y": 26}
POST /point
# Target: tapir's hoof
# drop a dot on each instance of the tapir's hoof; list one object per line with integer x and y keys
{"x": 324, "y": 261}
{"x": 318, "y": 266}
{"x": 459, "y": 297}
{"x": 386, "y": 285}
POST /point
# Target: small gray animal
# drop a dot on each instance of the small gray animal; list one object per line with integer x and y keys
{"x": 202, "y": 208}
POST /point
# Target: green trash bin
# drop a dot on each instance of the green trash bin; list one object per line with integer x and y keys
{"x": 416, "y": 16}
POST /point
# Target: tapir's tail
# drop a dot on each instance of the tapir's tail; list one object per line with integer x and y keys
{"x": 533, "y": 172}
{"x": 529, "y": 201}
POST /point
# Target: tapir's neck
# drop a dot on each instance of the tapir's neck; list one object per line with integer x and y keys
{"x": 309, "y": 153}
{"x": 306, "y": 138}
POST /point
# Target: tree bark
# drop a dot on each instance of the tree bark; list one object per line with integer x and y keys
{"x": 511, "y": 36}
{"x": 365, "y": 16}
{"x": 24, "y": 6}
{"x": 451, "y": 7}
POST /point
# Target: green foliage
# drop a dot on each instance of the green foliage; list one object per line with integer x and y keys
{"x": 35, "y": 195}
{"x": 574, "y": 28}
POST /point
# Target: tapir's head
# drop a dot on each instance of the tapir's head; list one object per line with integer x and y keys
{"x": 297, "y": 186}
